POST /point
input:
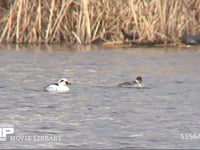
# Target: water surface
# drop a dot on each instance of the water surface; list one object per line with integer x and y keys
{"x": 96, "y": 113}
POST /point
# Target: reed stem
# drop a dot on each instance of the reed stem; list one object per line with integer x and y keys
{"x": 89, "y": 21}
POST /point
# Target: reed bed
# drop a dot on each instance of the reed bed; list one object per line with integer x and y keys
{"x": 91, "y": 21}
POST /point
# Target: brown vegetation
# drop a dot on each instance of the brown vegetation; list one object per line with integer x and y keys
{"x": 90, "y": 21}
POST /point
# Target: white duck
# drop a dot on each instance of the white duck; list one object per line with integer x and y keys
{"x": 61, "y": 86}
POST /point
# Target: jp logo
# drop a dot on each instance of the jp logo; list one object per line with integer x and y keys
{"x": 5, "y": 129}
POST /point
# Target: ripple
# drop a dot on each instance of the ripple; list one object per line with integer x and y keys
{"x": 96, "y": 113}
{"x": 179, "y": 82}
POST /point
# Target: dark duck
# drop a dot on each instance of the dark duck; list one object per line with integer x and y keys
{"x": 133, "y": 35}
{"x": 133, "y": 84}
{"x": 190, "y": 39}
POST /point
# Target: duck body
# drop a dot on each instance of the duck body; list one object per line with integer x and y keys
{"x": 132, "y": 84}
{"x": 61, "y": 86}
{"x": 130, "y": 35}
{"x": 191, "y": 39}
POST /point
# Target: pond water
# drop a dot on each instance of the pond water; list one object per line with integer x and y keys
{"x": 96, "y": 113}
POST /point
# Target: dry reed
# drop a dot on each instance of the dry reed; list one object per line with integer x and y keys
{"x": 90, "y": 21}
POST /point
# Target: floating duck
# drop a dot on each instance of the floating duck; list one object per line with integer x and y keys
{"x": 61, "y": 86}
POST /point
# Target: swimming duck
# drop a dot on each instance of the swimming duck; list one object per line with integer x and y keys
{"x": 133, "y": 84}
{"x": 61, "y": 86}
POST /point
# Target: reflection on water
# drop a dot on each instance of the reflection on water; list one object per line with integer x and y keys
{"x": 96, "y": 113}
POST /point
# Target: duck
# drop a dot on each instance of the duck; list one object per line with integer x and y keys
{"x": 190, "y": 39}
{"x": 133, "y": 84}
{"x": 60, "y": 86}
{"x": 130, "y": 35}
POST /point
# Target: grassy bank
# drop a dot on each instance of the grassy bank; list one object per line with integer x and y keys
{"x": 90, "y": 21}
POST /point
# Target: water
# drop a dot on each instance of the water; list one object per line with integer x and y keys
{"x": 96, "y": 113}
